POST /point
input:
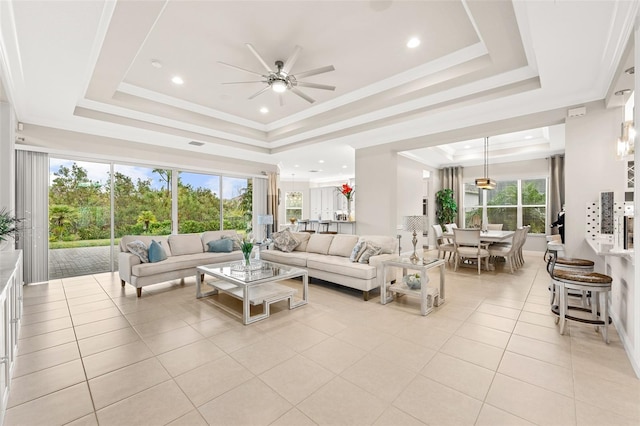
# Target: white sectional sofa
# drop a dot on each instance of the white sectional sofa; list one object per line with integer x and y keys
{"x": 327, "y": 257}
{"x": 184, "y": 252}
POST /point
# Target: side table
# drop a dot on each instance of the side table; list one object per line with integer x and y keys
{"x": 428, "y": 296}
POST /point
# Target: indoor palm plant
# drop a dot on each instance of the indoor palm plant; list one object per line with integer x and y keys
{"x": 9, "y": 225}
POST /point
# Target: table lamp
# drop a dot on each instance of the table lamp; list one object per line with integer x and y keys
{"x": 413, "y": 224}
{"x": 266, "y": 220}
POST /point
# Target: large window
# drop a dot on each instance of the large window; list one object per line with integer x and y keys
{"x": 144, "y": 202}
{"x": 293, "y": 205}
{"x": 514, "y": 203}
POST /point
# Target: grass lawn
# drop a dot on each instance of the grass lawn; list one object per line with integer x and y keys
{"x": 81, "y": 243}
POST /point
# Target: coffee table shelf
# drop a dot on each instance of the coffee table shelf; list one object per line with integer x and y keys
{"x": 252, "y": 288}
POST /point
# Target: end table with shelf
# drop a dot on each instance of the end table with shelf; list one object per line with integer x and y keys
{"x": 429, "y": 296}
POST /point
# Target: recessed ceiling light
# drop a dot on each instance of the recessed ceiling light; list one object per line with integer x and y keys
{"x": 297, "y": 165}
{"x": 156, "y": 64}
{"x": 344, "y": 167}
{"x": 177, "y": 80}
{"x": 467, "y": 146}
{"x": 264, "y": 110}
{"x": 320, "y": 161}
{"x": 528, "y": 137}
{"x": 413, "y": 42}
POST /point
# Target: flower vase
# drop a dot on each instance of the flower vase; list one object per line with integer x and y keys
{"x": 349, "y": 218}
{"x": 247, "y": 258}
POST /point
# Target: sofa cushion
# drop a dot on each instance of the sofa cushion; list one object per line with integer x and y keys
{"x": 387, "y": 244}
{"x": 185, "y": 261}
{"x": 284, "y": 241}
{"x": 342, "y": 266}
{"x": 342, "y": 245}
{"x": 237, "y": 240}
{"x": 319, "y": 243}
{"x": 156, "y": 252}
{"x": 295, "y": 258}
{"x": 139, "y": 248}
{"x": 357, "y": 250}
{"x": 303, "y": 238}
{"x": 216, "y": 235}
{"x": 370, "y": 250}
{"x": 224, "y": 245}
{"x": 185, "y": 244}
{"x": 146, "y": 239}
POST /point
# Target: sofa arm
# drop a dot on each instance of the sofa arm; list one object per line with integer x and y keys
{"x": 377, "y": 261}
{"x": 126, "y": 261}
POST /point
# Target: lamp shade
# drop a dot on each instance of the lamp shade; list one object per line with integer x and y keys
{"x": 265, "y": 219}
{"x": 413, "y": 223}
{"x": 485, "y": 183}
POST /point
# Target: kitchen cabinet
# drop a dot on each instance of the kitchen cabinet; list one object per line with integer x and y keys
{"x": 10, "y": 315}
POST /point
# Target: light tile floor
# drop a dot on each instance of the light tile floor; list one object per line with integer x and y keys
{"x": 93, "y": 353}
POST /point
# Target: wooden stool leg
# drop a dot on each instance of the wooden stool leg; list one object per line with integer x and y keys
{"x": 605, "y": 314}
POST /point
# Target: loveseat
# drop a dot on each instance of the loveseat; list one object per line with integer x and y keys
{"x": 184, "y": 252}
{"x": 332, "y": 257}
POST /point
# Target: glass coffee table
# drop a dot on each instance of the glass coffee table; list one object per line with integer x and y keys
{"x": 253, "y": 285}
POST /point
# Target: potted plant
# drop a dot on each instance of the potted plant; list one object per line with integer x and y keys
{"x": 8, "y": 226}
{"x": 446, "y": 207}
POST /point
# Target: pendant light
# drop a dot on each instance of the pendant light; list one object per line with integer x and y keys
{"x": 485, "y": 182}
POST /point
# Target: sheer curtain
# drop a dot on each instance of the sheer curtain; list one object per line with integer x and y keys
{"x": 451, "y": 178}
{"x": 273, "y": 199}
{"x": 32, "y": 204}
{"x": 556, "y": 187}
{"x": 260, "y": 187}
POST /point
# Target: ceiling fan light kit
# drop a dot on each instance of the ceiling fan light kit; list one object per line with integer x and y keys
{"x": 281, "y": 79}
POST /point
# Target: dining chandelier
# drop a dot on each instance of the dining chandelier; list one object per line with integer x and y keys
{"x": 486, "y": 182}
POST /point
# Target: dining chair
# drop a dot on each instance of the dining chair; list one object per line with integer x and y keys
{"x": 509, "y": 251}
{"x": 449, "y": 227}
{"x": 494, "y": 226}
{"x": 468, "y": 246}
{"x": 442, "y": 244}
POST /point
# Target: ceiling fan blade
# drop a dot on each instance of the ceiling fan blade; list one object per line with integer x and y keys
{"x": 302, "y": 95}
{"x": 315, "y": 71}
{"x": 281, "y": 99}
{"x": 257, "y": 55}
{"x": 316, "y": 85}
{"x": 240, "y": 68}
{"x": 291, "y": 60}
{"x": 260, "y": 92}
{"x": 242, "y": 82}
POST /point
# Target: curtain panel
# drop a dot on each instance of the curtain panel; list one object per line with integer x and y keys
{"x": 32, "y": 204}
{"x": 273, "y": 198}
{"x": 556, "y": 187}
{"x": 260, "y": 200}
{"x": 451, "y": 178}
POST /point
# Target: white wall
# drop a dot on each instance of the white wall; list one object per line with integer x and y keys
{"x": 591, "y": 166}
{"x": 409, "y": 194}
{"x": 376, "y": 177}
{"x": 7, "y": 157}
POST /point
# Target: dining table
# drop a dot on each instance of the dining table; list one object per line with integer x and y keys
{"x": 488, "y": 236}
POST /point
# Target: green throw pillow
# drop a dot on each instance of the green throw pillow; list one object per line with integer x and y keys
{"x": 224, "y": 245}
{"x": 156, "y": 252}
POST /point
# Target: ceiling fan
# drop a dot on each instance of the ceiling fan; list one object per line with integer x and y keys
{"x": 280, "y": 80}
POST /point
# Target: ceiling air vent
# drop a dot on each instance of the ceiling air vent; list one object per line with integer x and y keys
{"x": 314, "y": 171}
{"x": 196, "y": 143}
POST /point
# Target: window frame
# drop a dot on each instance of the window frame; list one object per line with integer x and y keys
{"x": 519, "y": 206}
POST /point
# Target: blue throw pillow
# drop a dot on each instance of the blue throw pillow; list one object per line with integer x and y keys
{"x": 156, "y": 252}
{"x": 224, "y": 245}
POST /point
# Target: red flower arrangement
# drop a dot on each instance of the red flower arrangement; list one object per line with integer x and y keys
{"x": 346, "y": 190}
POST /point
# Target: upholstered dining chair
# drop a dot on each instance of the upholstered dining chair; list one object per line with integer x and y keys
{"x": 494, "y": 226}
{"x": 509, "y": 251}
{"x": 468, "y": 246}
{"x": 442, "y": 244}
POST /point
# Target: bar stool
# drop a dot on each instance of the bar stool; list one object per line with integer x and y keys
{"x": 599, "y": 285}
{"x": 568, "y": 264}
{"x": 326, "y": 224}
{"x": 305, "y": 222}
